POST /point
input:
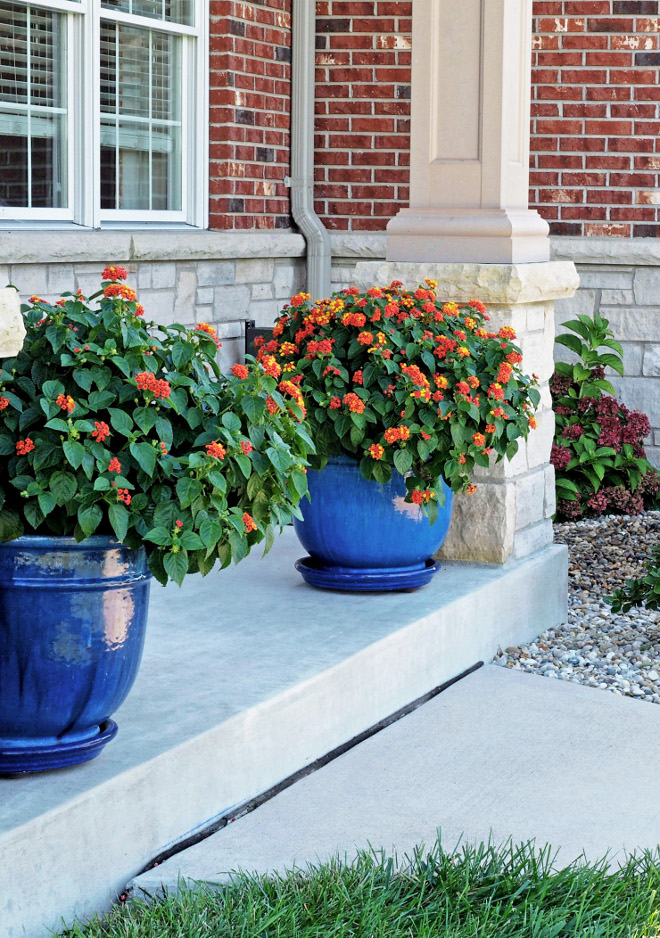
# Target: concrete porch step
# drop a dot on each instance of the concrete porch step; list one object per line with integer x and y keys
{"x": 247, "y": 676}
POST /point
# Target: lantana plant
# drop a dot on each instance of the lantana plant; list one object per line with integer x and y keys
{"x": 405, "y": 383}
{"x": 113, "y": 425}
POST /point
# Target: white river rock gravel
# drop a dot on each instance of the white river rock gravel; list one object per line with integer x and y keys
{"x": 615, "y": 652}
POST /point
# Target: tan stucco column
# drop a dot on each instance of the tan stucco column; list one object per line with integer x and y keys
{"x": 12, "y": 328}
{"x": 469, "y": 172}
{"x": 469, "y": 227}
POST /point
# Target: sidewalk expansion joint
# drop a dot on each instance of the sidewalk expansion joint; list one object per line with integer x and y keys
{"x": 247, "y": 807}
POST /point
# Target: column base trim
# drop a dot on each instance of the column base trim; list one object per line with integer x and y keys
{"x": 486, "y": 236}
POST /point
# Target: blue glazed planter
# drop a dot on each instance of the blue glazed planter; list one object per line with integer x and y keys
{"x": 362, "y": 535}
{"x": 72, "y": 624}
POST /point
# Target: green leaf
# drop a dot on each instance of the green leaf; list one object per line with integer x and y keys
{"x": 159, "y": 535}
{"x": 156, "y": 567}
{"x": 89, "y": 465}
{"x": 402, "y": 461}
{"x": 210, "y": 532}
{"x": 146, "y": 456}
{"x": 166, "y": 514}
{"x": 187, "y": 490}
{"x": 99, "y": 400}
{"x": 15, "y": 401}
{"x": 217, "y": 479}
{"x": 119, "y": 517}
{"x": 182, "y": 353}
{"x": 46, "y": 502}
{"x": 423, "y": 449}
{"x": 63, "y": 485}
{"x": 254, "y": 485}
{"x": 299, "y": 482}
{"x": 231, "y": 422}
{"x": 270, "y": 539}
{"x": 254, "y": 408}
{"x": 46, "y": 455}
{"x": 581, "y": 328}
{"x": 428, "y": 359}
{"x": 10, "y": 525}
{"x": 571, "y": 342}
{"x": 239, "y": 546}
{"x": 74, "y": 452}
{"x": 89, "y": 519}
{"x": 605, "y": 385}
{"x": 176, "y": 565}
{"x": 613, "y": 344}
{"x": 33, "y": 514}
{"x": 191, "y": 541}
{"x": 580, "y": 373}
{"x": 611, "y": 361}
{"x": 279, "y": 458}
{"x": 121, "y": 421}
{"x": 178, "y": 399}
{"x": 357, "y": 435}
{"x": 21, "y": 482}
{"x": 83, "y": 379}
{"x": 245, "y": 464}
{"x": 382, "y": 472}
{"x": 51, "y": 389}
{"x": 58, "y": 424}
{"x": 164, "y": 431}
{"x": 145, "y": 418}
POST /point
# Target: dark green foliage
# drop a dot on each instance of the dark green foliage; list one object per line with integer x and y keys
{"x": 110, "y": 425}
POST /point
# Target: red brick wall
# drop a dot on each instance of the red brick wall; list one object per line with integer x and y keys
{"x": 250, "y": 54}
{"x": 595, "y": 116}
{"x": 363, "y": 112}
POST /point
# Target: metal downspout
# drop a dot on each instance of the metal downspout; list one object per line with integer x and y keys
{"x": 301, "y": 181}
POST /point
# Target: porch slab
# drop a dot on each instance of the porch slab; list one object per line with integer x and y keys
{"x": 247, "y": 676}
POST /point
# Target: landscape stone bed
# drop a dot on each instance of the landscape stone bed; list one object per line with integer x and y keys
{"x": 616, "y": 652}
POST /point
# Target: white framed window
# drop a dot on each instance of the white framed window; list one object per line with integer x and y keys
{"x": 103, "y": 112}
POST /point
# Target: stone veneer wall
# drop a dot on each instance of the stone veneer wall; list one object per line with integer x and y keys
{"x": 226, "y": 278}
{"x": 185, "y": 277}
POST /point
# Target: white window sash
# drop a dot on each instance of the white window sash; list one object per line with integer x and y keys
{"x": 117, "y": 214}
{"x": 64, "y": 6}
{"x": 84, "y": 120}
{"x": 11, "y": 213}
{"x": 147, "y": 22}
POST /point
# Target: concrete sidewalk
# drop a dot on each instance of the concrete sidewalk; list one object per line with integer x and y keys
{"x": 500, "y": 754}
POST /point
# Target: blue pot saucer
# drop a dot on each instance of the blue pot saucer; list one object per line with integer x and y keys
{"x": 56, "y": 755}
{"x": 366, "y": 579}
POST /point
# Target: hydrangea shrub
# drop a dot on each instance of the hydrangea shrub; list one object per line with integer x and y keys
{"x": 598, "y": 452}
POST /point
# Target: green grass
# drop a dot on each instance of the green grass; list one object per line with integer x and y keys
{"x": 480, "y": 892}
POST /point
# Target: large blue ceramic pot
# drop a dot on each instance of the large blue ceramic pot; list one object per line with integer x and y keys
{"x": 362, "y": 535}
{"x": 72, "y": 624}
